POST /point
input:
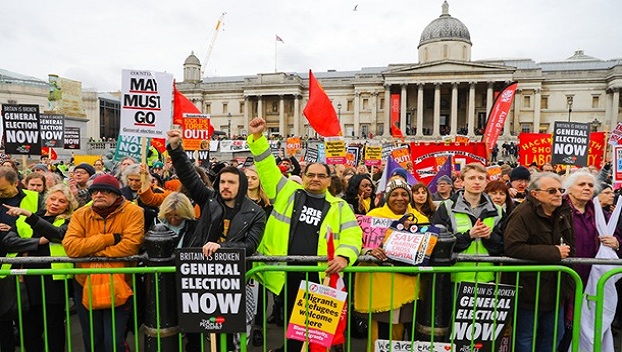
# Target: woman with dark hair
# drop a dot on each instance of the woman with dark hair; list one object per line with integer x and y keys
{"x": 359, "y": 194}
{"x": 422, "y": 200}
{"x": 500, "y": 195}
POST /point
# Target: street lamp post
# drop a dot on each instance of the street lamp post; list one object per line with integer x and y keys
{"x": 339, "y": 113}
{"x": 569, "y": 100}
{"x": 229, "y": 121}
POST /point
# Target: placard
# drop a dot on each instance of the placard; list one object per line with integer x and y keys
{"x": 231, "y": 146}
{"x": 211, "y": 290}
{"x": 311, "y": 155}
{"x": 146, "y": 103}
{"x": 482, "y": 313}
{"x": 335, "y": 148}
{"x": 316, "y": 313}
{"x": 374, "y": 230}
{"x": 52, "y": 129}
{"x": 72, "y": 138}
{"x": 617, "y": 163}
{"x": 128, "y": 146}
{"x": 195, "y": 131}
{"x": 537, "y": 147}
{"x": 571, "y": 141}
{"x": 373, "y": 155}
{"x": 21, "y": 129}
{"x": 407, "y": 346}
{"x": 293, "y": 146}
{"x": 402, "y": 156}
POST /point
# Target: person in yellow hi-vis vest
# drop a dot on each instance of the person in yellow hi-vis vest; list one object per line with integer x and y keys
{"x": 11, "y": 195}
{"x": 47, "y": 233}
{"x": 475, "y": 220}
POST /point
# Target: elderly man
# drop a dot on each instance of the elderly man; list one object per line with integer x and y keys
{"x": 540, "y": 229}
{"x": 110, "y": 227}
{"x": 300, "y": 219}
{"x": 444, "y": 189}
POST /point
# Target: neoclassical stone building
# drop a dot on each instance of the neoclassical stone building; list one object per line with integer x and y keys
{"x": 444, "y": 93}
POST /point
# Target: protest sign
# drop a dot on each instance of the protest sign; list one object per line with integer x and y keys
{"x": 373, "y": 155}
{"x": 21, "y": 129}
{"x": 537, "y": 147}
{"x": 293, "y": 146}
{"x": 355, "y": 150}
{"x": 195, "y": 131}
{"x": 275, "y": 148}
{"x": 72, "y": 138}
{"x": 402, "y": 156}
{"x": 617, "y": 163}
{"x": 316, "y": 312}
{"x": 202, "y": 157}
{"x": 52, "y": 129}
{"x": 386, "y": 150}
{"x": 571, "y": 141}
{"x": 335, "y": 150}
{"x": 413, "y": 248}
{"x": 248, "y": 162}
{"x": 211, "y": 290}
{"x": 321, "y": 153}
{"x": 231, "y": 146}
{"x": 427, "y": 159}
{"x": 311, "y": 155}
{"x": 482, "y": 312}
{"x": 462, "y": 139}
{"x": 146, "y": 103}
{"x": 616, "y": 135}
{"x": 128, "y": 146}
{"x": 494, "y": 172}
{"x": 374, "y": 229}
{"x": 407, "y": 346}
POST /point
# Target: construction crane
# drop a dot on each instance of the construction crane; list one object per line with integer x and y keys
{"x": 214, "y": 35}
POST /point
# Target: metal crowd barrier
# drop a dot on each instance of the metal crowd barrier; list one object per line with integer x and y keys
{"x": 159, "y": 335}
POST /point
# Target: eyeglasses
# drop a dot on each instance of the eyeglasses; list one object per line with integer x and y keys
{"x": 102, "y": 191}
{"x": 80, "y": 173}
{"x": 320, "y": 176}
{"x": 552, "y": 191}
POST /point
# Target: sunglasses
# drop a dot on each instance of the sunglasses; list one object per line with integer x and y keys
{"x": 552, "y": 191}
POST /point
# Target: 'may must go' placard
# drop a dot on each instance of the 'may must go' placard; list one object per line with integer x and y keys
{"x": 211, "y": 292}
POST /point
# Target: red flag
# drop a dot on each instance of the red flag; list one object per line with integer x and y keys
{"x": 497, "y": 115}
{"x": 159, "y": 144}
{"x": 395, "y": 117}
{"x": 320, "y": 111}
{"x": 336, "y": 281}
{"x": 181, "y": 106}
{"x": 49, "y": 152}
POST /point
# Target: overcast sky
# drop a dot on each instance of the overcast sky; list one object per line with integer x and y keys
{"x": 92, "y": 41}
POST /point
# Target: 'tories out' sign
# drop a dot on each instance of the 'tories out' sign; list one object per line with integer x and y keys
{"x": 211, "y": 290}
{"x": 146, "y": 105}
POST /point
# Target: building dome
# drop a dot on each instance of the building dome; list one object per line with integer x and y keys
{"x": 445, "y": 28}
{"x": 192, "y": 60}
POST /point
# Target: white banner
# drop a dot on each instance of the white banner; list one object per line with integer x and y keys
{"x": 146, "y": 103}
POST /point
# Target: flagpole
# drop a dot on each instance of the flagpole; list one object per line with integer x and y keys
{"x": 275, "y": 43}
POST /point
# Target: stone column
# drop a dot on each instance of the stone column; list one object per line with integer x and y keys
{"x": 516, "y": 105}
{"x": 471, "y": 111}
{"x": 403, "y": 98}
{"x": 387, "y": 111}
{"x": 615, "y": 108}
{"x": 282, "y": 122}
{"x": 260, "y": 107}
{"x": 536, "y": 111}
{"x": 247, "y": 108}
{"x": 437, "y": 110}
{"x": 296, "y": 115}
{"x": 489, "y": 97}
{"x": 374, "y": 113}
{"x": 420, "y": 110}
{"x": 454, "y": 108}
{"x": 357, "y": 105}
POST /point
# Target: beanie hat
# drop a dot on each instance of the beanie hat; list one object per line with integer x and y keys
{"x": 400, "y": 172}
{"x": 397, "y": 183}
{"x": 444, "y": 178}
{"x": 158, "y": 165}
{"x": 40, "y": 167}
{"x": 86, "y": 167}
{"x": 520, "y": 173}
{"x": 105, "y": 182}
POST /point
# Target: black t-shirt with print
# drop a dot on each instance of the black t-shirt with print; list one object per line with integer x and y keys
{"x": 306, "y": 236}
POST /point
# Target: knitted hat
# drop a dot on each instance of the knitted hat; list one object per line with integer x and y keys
{"x": 400, "y": 172}
{"x": 105, "y": 182}
{"x": 445, "y": 178}
{"x": 520, "y": 173}
{"x": 158, "y": 165}
{"x": 397, "y": 183}
{"x": 86, "y": 167}
{"x": 40, "y": 167}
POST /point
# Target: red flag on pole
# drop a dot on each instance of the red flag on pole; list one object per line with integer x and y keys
{"x": 497, "y": 115}
{"x": 320, "y": 111}
{"x": 335, "y": 281}
{"x": 181, "y": 106}
{"x": 395, "y": 117}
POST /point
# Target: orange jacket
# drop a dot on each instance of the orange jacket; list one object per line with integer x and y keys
{"x": 155, "y": 199}
{"x": 90, "y": 235}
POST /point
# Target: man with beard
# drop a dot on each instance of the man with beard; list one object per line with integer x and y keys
{"x": 228, "y": 218}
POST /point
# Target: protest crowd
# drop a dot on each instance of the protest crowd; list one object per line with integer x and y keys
{"x": 279, "y": 203}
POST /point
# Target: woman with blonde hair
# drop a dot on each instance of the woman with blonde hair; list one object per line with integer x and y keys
{"x": 177, "y": 213}
{"x": 48, "y": 230}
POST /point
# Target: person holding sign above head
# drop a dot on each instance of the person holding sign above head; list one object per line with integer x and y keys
{"x": 228, "y": 218}
{"x": 541, "y": 229}
{"x": 475, "y": 220}
{"x": 389, "y": 306}
{"x": 300, "y": 220}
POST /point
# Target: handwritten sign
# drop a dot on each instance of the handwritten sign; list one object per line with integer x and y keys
{"x": 413, "y": 248}
{"x": 374, "y": 230}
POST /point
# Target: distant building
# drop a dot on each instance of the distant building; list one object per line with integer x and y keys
{"x": 444, "y": 93}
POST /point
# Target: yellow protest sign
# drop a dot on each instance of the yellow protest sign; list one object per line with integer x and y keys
{"x": 335, "y": 150}
{"x": 316, "y": 313}
{"x": 373, "y": 155}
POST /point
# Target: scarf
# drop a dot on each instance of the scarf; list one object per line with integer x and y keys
{"x": 108, "y": 210}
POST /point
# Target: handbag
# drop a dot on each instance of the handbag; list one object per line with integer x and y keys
{"x": 101, "y": 291}
{"x": 412, "y": 244}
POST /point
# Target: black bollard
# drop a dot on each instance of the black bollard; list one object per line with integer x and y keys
{"x": 441, "y": 289}
{"x": 160, "y": 245}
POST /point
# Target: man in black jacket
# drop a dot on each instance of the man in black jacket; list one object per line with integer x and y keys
{"x": 228, "y": 218}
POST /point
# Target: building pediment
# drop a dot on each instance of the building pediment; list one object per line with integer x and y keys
{"x": 447, "y": 67}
